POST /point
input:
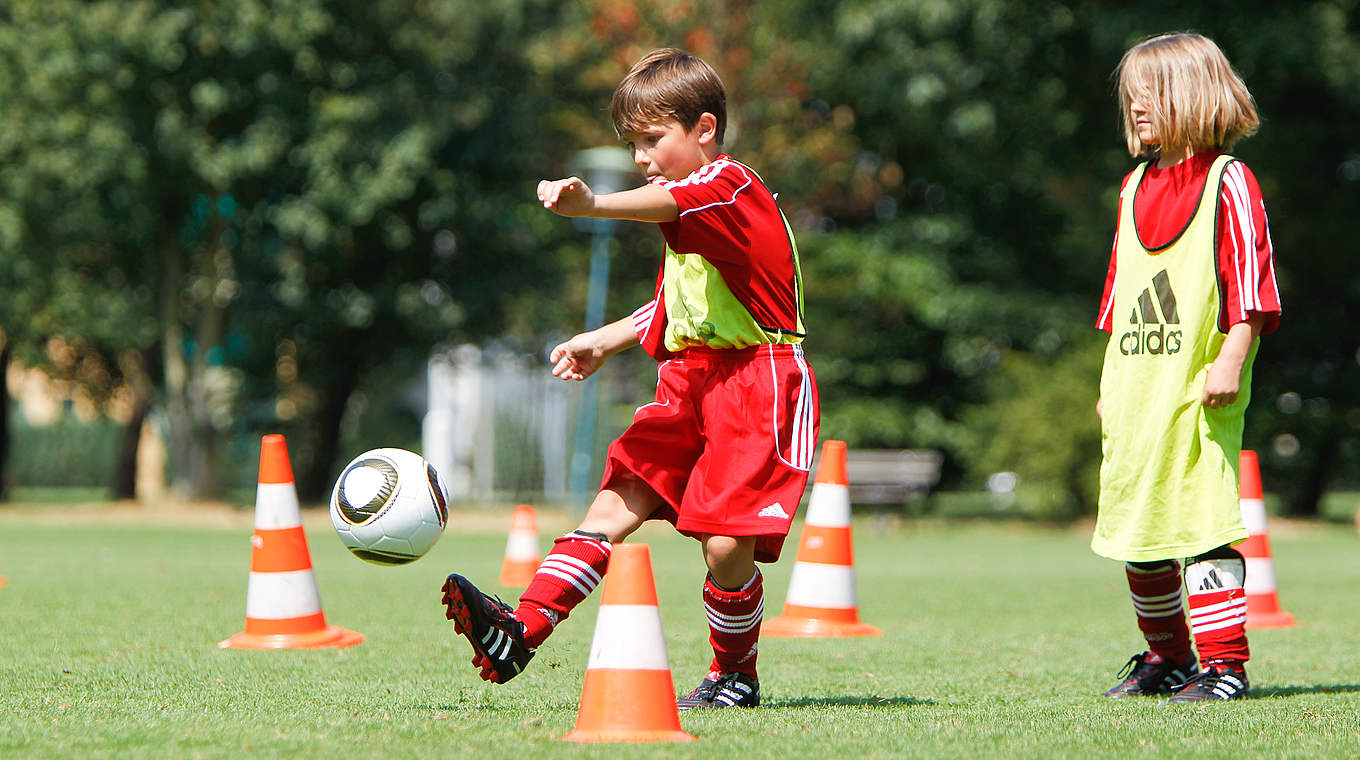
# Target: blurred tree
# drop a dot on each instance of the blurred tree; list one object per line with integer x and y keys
{"x": 267, "y": 189}
{"x": 988, "y": 163}
{"x": 291, "y": 201}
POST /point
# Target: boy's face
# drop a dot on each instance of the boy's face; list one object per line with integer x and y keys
{"x": 666, "y": 149}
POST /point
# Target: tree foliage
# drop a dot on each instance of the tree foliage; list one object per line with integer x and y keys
{"x": 285, "y": 204}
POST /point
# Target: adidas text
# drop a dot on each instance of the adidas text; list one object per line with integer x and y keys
{"x": 1146, "y": 341}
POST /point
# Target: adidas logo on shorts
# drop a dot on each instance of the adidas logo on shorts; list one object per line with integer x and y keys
{"x": 774, "y": 510}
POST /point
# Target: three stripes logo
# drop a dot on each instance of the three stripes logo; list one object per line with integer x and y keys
{"x": 1150, "y": 336}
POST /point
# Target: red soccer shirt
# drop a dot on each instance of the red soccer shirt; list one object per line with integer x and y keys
{"x": 1162, "y": 208}
{"x": 728, "y": 217}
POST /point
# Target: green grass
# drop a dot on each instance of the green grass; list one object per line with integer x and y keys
{"x": 999, "y": 640}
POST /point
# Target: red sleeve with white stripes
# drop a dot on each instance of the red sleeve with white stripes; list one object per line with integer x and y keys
{"x": 649, "y": 322}
{"x": 1105, "y": 321}
{"x": 715, "y": 212}
{"x": 1246, "y": 258}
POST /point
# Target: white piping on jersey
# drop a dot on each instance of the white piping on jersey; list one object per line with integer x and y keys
{"x": 1274, "y": 284}
{"x": 705, "y": 174}
{"x": 1244, "y": 239}
{"x": 1106, "y": 316}
{"x": 642, "y": 318}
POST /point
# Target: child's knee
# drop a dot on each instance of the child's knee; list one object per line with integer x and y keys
{"x": 620, "y": 509}
{"x": 730, "y": 559}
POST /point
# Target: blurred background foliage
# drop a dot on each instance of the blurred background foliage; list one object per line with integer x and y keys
{"x": 252, "y": 216}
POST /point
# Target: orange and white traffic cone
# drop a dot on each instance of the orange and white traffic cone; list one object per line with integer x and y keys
{"x": 821, "y": 599}
{"x": 1263, "y": 604}
{"x": 521, "y": 548}
{"x": 3, "y": 581}
{"x": 283, "y": 604}
{"x": 628, "y": 695}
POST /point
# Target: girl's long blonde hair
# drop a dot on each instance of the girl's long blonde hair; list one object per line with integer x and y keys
{"x": 1195, "y": 98}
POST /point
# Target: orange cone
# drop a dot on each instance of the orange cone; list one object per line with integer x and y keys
{"x": 1263, "y": 606}
{"x": 283, "y": 605}
{"x": 3, "y": 581}
{"x": 628, "y": 694}
{"x": 521, "y": 548}
{"x": 821, "y": 599}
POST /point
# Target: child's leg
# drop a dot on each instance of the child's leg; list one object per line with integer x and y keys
{"x": 1168, "y": 663}
{"x": 578, "y": 560}
{"x": 1218, "y": 619}
{"x": 734, "y": 598}
{"x": 1218, "y": 606}
{"x": 1156, "y": 591}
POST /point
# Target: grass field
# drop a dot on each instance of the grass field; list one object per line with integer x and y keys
{"x": 999, "y": 640}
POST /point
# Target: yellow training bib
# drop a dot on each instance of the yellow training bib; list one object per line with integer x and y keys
{"x": 1168, "y": 480}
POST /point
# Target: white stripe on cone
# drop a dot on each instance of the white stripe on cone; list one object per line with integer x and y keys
{"x": 628, "y": 637}
{"x": 1254, "y": 516}
{"x": 1260, "y": 570}
{"x": 283, "y": 595}
{"x": 521, "y": 545}
{"x": 1260, "y": 576}
{"x": 276, "y": 506}
{"x": 814, "y": 584}
{"x": 829, "y": 505}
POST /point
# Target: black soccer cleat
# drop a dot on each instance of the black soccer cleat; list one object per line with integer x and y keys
{"x": 490, "y": 627}
{"x": 1218, "y": 682}
{"x": 730, "y": 690}
{"x": 1147, "y": 673}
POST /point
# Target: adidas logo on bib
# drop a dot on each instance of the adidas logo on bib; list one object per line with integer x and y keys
{"x": 1150, "y": 337}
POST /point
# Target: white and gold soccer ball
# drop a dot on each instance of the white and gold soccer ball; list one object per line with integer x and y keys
{"x": 389, "y": 506}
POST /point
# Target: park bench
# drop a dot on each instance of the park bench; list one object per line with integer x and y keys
{"x": 888, "y": 477}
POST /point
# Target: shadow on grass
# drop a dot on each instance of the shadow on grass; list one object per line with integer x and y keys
{"x": 848, "y": 702}
{"x": 1294, "y": 691}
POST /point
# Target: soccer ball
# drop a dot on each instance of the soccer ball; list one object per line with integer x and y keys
{"x": 389, "y": 506}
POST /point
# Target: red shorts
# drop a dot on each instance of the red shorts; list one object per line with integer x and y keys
{"x": 727, "y": 444}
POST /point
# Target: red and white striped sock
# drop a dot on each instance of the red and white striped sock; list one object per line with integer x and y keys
{"x": 1156, "y": 593}
{"x": 1218, "y": 610}
{"x": 734, "y": 624}
{"x": 564, "y": 579}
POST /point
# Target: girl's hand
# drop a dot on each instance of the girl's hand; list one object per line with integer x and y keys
{"x": 566, "y": 197}
{"x": 1225, "y": 374}
{"x": 1222, "y": 384}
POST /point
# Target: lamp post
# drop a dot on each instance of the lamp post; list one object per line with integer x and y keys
{"x": 606, "y": 170}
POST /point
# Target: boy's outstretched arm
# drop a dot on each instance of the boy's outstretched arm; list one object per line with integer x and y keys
{"x": 572, "y": 197}
{"x": 579, "y": 357}
{"x": 1225, "y": 374}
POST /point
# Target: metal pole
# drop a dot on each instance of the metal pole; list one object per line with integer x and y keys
{"x": 606, "y": 170}
{"x": 588, "y": 409}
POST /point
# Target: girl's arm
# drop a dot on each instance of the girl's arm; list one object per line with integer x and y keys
{"x": 1225, "y": 374}
{"x": 572, "y": 197}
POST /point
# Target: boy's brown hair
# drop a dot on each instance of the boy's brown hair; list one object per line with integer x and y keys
{"x": 1195, "y": 98}
{"x": 668, "y": 84}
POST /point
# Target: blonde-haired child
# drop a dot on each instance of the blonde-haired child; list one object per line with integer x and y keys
{"x": 1190, "y": 288}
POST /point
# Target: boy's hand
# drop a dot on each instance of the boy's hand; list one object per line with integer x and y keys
{"x": 577, "y": 358}
{"x": 566, "y": 197}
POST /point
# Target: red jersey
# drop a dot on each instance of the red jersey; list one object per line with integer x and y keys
{"x": 1162, "y": 209}
{"x": 728, "y": 228}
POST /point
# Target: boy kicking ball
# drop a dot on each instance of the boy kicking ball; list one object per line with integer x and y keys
{"x": 724, "y": 451}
